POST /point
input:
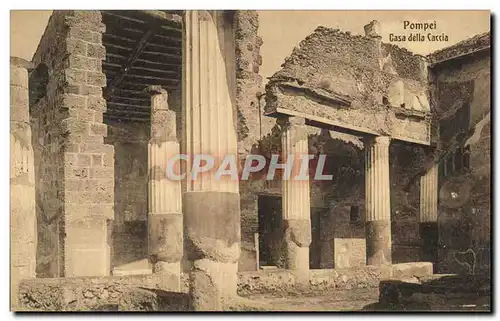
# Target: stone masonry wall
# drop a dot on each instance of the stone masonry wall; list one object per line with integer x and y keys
{"x": 81, "y": 181}
{"x": 46, "y": 118}
{"x": 129, "y": 235}
{"x": 464, "y": 224}
{"x": 248, "y": 87}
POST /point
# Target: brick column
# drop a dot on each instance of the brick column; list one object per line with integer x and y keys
{"x": 378, "y": 203}
{"x": 211, "y": 206}
{"x": 296, "y": 202}
{"x": 428, "y": 215}
{"x": 165, "y": 235}
{"x": 88, "y": 196}
{"x": 23, "y": 231}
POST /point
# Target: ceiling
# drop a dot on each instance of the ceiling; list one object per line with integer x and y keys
{"x": 143, "y": 48}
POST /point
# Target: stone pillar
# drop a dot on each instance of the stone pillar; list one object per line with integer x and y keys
{"x": 296, "y": 204}
{"x": 428, "y": 215}
{"x": 211, "y": 206}
{"x": 378, "y": 203}
{"x": 23, "y": 231}
{"x": 164, "y": 195}
{"x": 88, "y": 195}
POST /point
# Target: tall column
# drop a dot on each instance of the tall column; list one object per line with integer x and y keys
{"x": 296, "y": 202}
{"x": 428, "y": 215}
{"x": 378, "y": 203}
{"x": 211, "y": 205}
{"x": 23, "y": 230}
{"x": 165, "y": 235}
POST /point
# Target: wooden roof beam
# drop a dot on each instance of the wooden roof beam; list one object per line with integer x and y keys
{"x": 139, "y": 47}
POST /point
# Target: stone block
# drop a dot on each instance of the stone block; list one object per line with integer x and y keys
{"x": 71, "y": 101}
{"x": 349, "y": 252}
{"x": 18, "y": 77}
{"x": 76, "y": 33}
{"x": 19, "y": 98}
{"x": 96, "y": 79}
{"x": 86, "y": 246}
{"x": 80, "y": 210}
{"x": 75, "y": 172}
{"x": 87, "y": 261}
{"x": 84, "y": 63}
{"x": 75, "y": 76}
{"x": 96, "y": 148}
{"x": 96, "y": 161}
{"x": 75, "y": 127}
{"x": 76, "y": 45}
{"x": 403, "y": 270}
{"x": 98, "y": 117}
{"x": 83, "y": 89}
{"x": 99, "y": 129}
{"x": 76, "y": 159}
{"x": 103, "y": 172}
{"x": 108, "y": 159}
{"x": 96, "y": 51}
{"x": 96, "y": 103}
{"x": 91, "y": 231}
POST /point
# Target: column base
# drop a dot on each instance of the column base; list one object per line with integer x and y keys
{"x": 212, "y": 284}
{"x": 86, "y": 249}
{"x": 173, "y": 268}
{"x": 298, "y": 239}
{"x": 378, "y": 242}
{"x": 298, "y": 261}
{"x": 429, "y": 235}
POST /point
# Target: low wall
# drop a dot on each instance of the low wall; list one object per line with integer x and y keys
{"x": 154, "y": 292}
{"x": 113, "y": 293}
{"x": 328, "y": 279}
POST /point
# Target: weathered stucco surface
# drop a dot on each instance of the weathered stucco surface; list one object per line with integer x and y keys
{"x": 463, "y": 97}
{"x": 354, "y": 82}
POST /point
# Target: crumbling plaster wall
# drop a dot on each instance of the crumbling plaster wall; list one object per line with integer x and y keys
{"x": 376, "y": 79}
{"x": 74, "y": 168}
{"x": 466, "y": 224}
{"x": 252, "y": 125}
{"x": 131, "y": 182}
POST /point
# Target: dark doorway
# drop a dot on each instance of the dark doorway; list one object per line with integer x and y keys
{"x": 270, "y": 231}
{"x": 315, "y": 247}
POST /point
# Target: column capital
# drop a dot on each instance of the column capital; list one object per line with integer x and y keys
{"x": 377, "y": 140}
{"x": 21, "y": 63}
{"x": 287, "y": 122}
{"x": 159, "y": 97}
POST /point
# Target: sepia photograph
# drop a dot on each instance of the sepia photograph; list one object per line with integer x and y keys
{"x": 250, "y": 160}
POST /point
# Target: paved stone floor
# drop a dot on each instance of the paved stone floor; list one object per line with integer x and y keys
{"x": 341, "y": 300}
{"x": 360, "y": 300}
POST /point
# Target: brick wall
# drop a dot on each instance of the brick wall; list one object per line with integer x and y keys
{"x": 68, "y": 121}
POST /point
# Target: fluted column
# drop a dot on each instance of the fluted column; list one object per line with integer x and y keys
{"x": 22, "y": 181}
{"x": 165, "y": 228}
{"x": 428, "y": 215}
{"x": 296, "y": 204}
{"x": 211, "y": 205}
{"x": 377, "y": 199}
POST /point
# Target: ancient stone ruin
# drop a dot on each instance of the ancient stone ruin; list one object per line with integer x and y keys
{"x": 109, "y": 96}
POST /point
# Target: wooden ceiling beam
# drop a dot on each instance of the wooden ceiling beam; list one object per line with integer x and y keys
{"x": 124, "y": 105}
{"x": 124, "y": 118}
{"x": 139, "y": 47}
{"x": 128, "y": 112}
